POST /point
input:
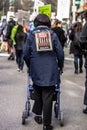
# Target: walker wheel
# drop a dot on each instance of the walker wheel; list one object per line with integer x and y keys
{"x": 56, "y": 109}
{"x": 62, "y": 120}
{"x": 28, "y": 108}
{"x": 23, "y": 117}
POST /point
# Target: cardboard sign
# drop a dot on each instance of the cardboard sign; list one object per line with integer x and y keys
{"x": 43, "y": 41}
{"x": 45, "y": 10}
{"x": 23, "y": 17}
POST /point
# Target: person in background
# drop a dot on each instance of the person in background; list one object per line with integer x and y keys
{"x": 70, "y": 24}
{"x": 31, "y": 26}
{"x": 44, "y": 62}
{"x": 10, "y": 25}
{"x": 74, "y": 48}
{"x": 19, "y": 36}
{"x": 84, "y": 37}
{"x": 57, "y": 28}
{"x": 3, "y": 30}
{"x": 25, "y": 26}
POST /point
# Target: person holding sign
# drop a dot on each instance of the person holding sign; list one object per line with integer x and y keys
{"x": 43, "y": 55}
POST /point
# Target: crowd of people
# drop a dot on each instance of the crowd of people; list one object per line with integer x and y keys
{"x": 41, "y": 48}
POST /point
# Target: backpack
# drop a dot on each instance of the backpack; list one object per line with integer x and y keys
{"x": 83, "y": 42}
{"x": 76, "y": 41}
{"x": 83, "y": 38}
{"x": 10, "y": 25}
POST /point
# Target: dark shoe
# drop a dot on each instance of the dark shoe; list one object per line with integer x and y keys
{"x": 61, "y": 71}
{"x": 80, "y": 71}
{"x": 38, "y": 119}
{"x": 48, "y": 127}
{"x": 85, "y": 110}
{"x": 12, "y": 58}
{"x": 9, "y": 58}
{"x": 76, "y": 71}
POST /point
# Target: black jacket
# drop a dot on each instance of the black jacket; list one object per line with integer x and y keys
{"x": 9, "y": 28}
{"x": 74, "y": 46}
{"x": 61, "y": 35}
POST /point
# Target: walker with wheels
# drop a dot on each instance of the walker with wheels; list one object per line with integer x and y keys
{"x": 56, "y": 98}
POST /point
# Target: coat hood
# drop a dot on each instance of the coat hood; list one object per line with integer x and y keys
{"x": 42, "y": 19}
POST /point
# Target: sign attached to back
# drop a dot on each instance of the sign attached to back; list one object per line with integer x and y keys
{"x": 43, "y": 41}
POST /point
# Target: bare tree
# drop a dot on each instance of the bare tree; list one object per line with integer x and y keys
{"x": 53, "y": 4}
{"x": 26, "y": 4}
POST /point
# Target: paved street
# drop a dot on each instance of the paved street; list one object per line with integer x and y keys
{"x": 13, "y": 94}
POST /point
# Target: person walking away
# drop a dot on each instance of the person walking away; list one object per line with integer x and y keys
{"x": 83, "y": 40}
{"x": 43, "y": 55}
{"x": 19, "y": 37}
{"x": 75, "y": 49}
{"x": 10, "y": 25}
{"x": 3, "y": 30}
{"x": 57, "y": 28}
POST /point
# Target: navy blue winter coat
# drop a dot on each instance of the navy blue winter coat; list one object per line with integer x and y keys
{"x": 43, "y": 66}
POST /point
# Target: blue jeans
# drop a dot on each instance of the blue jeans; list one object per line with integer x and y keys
{"x": 19, "y": 59}
{"x": 78, "y": 60}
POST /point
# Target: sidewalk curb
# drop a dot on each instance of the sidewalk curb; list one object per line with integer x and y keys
{"x": 4, "y": 54}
